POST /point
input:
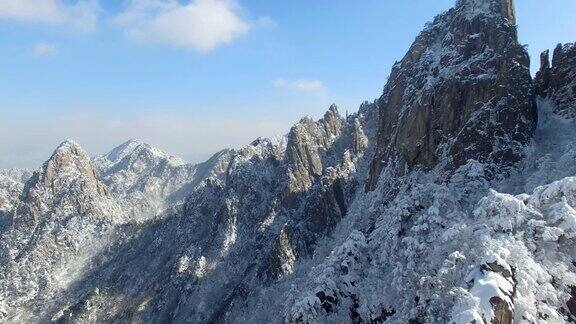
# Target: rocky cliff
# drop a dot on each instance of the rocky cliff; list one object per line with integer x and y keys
{"x": 463, "y": 91}
{"x": 64, "y": 216}
{"x": 555, "y": 82}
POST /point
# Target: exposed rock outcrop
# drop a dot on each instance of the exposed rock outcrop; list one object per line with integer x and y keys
{"x": 66, "y": 178}
{"x": 557, "y": 81}
{"x": 283, "y": 258}
{"x": 64, "y": 217}
{"x": 307, "y": 142}
{"x": 572, "y": 302}
{"x": 463, "y": 91}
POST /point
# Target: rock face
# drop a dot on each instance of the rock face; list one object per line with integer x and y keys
{"x": 68, "y": 171}
{"x": 463, "y": 91}
{"x": 322, "y": 161}
{"x": 572, "y": 302}
{"x": 64, "y": 216}
{"x": 557, "y": 82}
{"x": 148, "y": 181}
{"x": 305, "y": 144}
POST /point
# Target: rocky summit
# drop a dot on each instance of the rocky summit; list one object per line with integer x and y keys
{"x": 449, "y": 199}
{"x": 555, "y": 82}
{"x": 463, "y": 91}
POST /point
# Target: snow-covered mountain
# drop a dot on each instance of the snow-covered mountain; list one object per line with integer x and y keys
{"x": 279, "y": 199}
{"x": 11, "y": 186}
{"x": 147, "y": 180}
{"x": 450, "y": 199}
{"x": 64, "y": 216}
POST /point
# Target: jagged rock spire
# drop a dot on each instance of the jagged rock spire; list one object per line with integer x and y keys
{"x": 68, "y": 162}
{"x": 305, "y": 141}
{"x": 557, "y": 81}
{"x": 445, "y": 101}
{"x": 505, "y": 8}
{"x": 68, "y": 173}
{"x": 510, "y": 10}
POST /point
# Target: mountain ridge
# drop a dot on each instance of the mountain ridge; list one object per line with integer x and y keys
{"x": 148, "y": 181}
{"x": 451, "y": 198}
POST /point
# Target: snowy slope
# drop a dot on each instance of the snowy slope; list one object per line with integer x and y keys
{"x": 63, "y": 215}
{"x": 18, "y": 175}
{"x": 11, "y": 186}
{"x": 452, "y": 250}
{"x": 146, "y": 180}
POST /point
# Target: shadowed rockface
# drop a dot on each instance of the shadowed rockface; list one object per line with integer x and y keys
{"x": 463, "y": 91}
{"x": 557, "y": 81}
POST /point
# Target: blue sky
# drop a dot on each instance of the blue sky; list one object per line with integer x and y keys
{"x": 193, "y": 77}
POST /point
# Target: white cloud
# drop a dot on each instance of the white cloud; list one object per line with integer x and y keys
{"x": 199, "y": 25}
{"x": 309, "y": 85}
{"x": 302, "y": 85}
{"x": 41, "y": 50}
{"x": 81, "y": 15}
{"x": 42, "y": 11}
